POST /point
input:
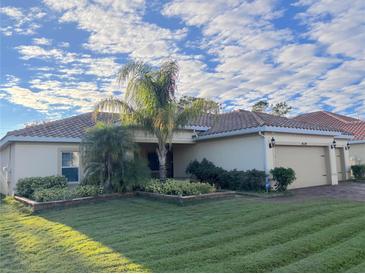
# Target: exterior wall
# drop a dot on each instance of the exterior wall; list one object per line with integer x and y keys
{"x": 241, "y": 152}
{"x": 37, "y": 159}
{"x": 310, "y": 140}
{"x": 6, "y": 164}
{"x": 179, "y": 137}
{"x": 357, "y": 154}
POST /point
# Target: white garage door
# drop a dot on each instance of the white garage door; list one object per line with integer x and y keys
{"x": 309, "y": 164}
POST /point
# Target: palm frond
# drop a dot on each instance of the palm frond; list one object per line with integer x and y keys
{"x": 114, "y": 106}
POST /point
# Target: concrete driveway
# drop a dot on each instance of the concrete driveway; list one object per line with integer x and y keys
{"x": 343, "y": 191}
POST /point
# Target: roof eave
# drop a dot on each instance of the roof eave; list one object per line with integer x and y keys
{"x": 9, "y": 139}
{"x": 354, "y": 142}
{"x": 337, "y": 134}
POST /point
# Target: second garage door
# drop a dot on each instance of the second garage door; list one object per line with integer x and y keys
{"x": 309, "y": 164}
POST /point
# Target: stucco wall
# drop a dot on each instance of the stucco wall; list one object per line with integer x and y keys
{"x": 38, "y": 159}
{"x": 357, "y": 153}
{"x": 241, "y": 152}
{"x": 6, "y": 164}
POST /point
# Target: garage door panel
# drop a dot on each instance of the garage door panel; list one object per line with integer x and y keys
{"x": 309, "y": 164}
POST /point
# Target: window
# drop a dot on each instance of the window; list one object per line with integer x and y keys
{"x": 70, "y": 166}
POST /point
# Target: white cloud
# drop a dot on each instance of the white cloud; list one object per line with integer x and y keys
{"x": 344, "y": 31}
{"x": 252, "y": 57}
{"x": 42, "y": 41}
{"x": 20, "y": 22}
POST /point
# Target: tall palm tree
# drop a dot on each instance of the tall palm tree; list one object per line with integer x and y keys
{"x": 150, "y": 103}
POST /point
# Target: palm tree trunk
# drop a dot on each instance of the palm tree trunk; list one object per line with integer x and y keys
{"x": 161, "y": 153}
{"x": 109, "y": 178}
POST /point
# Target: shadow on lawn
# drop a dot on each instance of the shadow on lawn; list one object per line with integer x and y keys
{"x": 108, "y": 235}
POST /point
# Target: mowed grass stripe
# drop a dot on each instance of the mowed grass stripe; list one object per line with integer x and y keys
{"x": 134, "y": 233}
{"x": 148, "y": 215}
{"x": 270, "y": 258}
{"x": 59, "y": 244}
{"x": 229, "y": 227}
{"x": 243, "y": 245}
{"x": 348, "y": 253}
{"x": 360, "y": 268}
{"x": 210, "y": 238}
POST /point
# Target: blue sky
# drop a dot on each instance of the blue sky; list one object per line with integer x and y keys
{"x": 60, "y": 57}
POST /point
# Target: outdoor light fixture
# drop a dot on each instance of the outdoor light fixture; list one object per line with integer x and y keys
{"x": 333, "y": 144}
{"x": 272, "y": 142}
{"x": 347, "y": 147}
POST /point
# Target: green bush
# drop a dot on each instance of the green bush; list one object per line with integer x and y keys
{"x": 176, "y": 187}
{"x": 206, "y": 171}
{"x": 111, "y": 159}
{"x": 283, "y": 177}
{"x": 66, "y": 193}
{"x": 358, "y": 171}
{"x": 27, "y": 186}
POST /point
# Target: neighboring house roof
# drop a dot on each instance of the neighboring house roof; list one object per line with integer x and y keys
{"x": 344, "y": 123}
{"x": 74, "y": 128}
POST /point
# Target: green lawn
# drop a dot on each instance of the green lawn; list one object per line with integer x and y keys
{"x": 237, "y": 235}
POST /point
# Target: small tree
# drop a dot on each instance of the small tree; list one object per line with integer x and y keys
{"x": 208, "y": 106}
{"x": 281, "y": 109}
{"x": 278, "y": 109}
{"x": 109, "y": 158}
{"x": 260, "y": 106}
{"x": 283, "y": 177}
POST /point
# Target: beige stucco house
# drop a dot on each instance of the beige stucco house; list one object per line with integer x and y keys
{"x": 352, "y": 125}
{"x": 236, "y": 140}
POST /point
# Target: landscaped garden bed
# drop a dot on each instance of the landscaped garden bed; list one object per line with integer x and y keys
{"x": 41, "y": 193}
{"x": 37, "y": 206}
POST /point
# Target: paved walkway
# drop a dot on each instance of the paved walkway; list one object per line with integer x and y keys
{"x": 343, "y": 191}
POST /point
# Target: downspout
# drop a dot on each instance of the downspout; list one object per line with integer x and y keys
{"x": 265, "y": 151}
{"x": 267, "y": 181}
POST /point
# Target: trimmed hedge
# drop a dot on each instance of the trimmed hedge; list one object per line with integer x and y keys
{"x": 176, "y": 187}
{"x": 358, "y": 171}
{"x": 56, "y": 194}
{"x": 27, "y": 186}
{"x": 206, "y": 171}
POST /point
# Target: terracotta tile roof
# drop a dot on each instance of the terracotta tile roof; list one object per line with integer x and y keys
{"x": 72, "y": 127}
{"x": 75, "y": 127}
{"x": 355, "y": 126}
{"x": 243, "y": 119}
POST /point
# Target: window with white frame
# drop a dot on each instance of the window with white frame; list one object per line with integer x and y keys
{"x": 70, "y": 166}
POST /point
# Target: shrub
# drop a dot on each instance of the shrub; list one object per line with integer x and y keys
{"x": 27, "y": 186}
{"x": 283, "y": 177}
{"x": 358, "y": 171}
{"x": 88, "y": 190}
{"x": 176, "y": 187}
{"x": 53, "y": 194}
{"x": 65, "y": 193}
{"x": 253, "y": 180}
{"x": 206, "y": 171}
{"x": 110, "y": 158}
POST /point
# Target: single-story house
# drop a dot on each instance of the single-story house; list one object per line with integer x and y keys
{"x": 235, "y": 140}
{"x": 344, "y": 123}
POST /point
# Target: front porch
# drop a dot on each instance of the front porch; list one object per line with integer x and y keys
{"x": 148, "y": 151}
